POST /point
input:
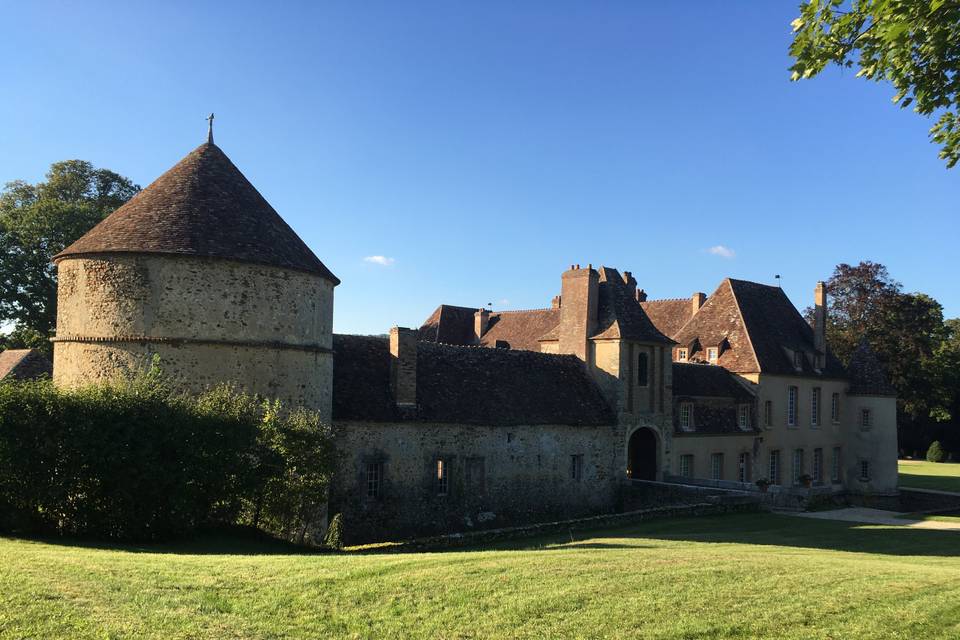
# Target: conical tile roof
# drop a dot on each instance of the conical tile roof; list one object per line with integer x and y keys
{"x": 203, "y": 206}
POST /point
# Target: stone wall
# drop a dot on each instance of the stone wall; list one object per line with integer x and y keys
{"x": 209, "y": 320}
{"x": 496, "y": 476}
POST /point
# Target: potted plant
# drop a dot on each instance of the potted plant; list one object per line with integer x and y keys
{"x": 806, "y": 480}
{"x": 763, "y": 484}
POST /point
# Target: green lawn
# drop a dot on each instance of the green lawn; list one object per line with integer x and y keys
{"x": 918, "y": 474}
{"x": 738, "y": 576}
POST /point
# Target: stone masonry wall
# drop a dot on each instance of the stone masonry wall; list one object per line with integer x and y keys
{"x": 497, "y": 476}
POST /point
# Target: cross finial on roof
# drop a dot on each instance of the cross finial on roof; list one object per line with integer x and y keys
{"x": 210, "y": 129}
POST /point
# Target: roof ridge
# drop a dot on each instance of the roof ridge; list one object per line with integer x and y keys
{"x": 525, "y": 310}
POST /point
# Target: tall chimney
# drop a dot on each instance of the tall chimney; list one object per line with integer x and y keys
{"x": 481, "y": 320}
{"x": 697, "y": 300}
{"x": 641, "y": 295}
{"x": 820, "y": 317}
{"x": 578, "y": 314}
{"x": 555, "y": 302}
{"x": 629, "y": 280}
{"x": 403, "y": 366}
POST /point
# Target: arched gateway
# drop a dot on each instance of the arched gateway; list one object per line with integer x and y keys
{"x": 642, "y": 455}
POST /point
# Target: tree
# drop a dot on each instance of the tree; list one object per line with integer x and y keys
{"x": 913, "y": 44}
{"x": 37, "y": 222}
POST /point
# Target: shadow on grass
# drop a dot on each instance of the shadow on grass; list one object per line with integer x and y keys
{"x": 937, "y": 483}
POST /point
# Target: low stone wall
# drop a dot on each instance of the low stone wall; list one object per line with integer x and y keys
{"x": 910, "y": 501}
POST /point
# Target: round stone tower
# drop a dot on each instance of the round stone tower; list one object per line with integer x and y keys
{"x": 199, "y": 270}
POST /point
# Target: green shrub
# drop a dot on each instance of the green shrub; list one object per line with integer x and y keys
{"x": 334, "y": 537}
{"x": 935, "y": 452}
{"x": 133, "y": 460}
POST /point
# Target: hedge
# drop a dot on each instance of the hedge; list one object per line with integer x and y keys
{"x": 135, "y": 461}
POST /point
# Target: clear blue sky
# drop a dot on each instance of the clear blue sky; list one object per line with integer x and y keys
{"x": 483, "y": 147}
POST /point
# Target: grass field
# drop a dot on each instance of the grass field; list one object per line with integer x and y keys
{"x": 738, "y": 576}
{"x": 919, "y": 474}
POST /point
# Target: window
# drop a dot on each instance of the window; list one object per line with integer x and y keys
{"x": 743, "y": 467}
{"x": 441, "y": 477}
{"x": 866, "y": 420}
{"x": 743, "y": 416}
{"x": 374, "y": 479}
{"x": 768, "y": 413}
{"x": 792, "y": 393}
{"x": 716, "y": 466}
{"x": 712, "y": 354}
{"x": 818, "y": 465}
{"x": 475, "y": 475}
{"x": 686, "y": 416}
{"x": 643, "y": 370}
{"x": 835, "y": 473}
{"x": 797, "y": 465}
{"x": 798, "y": 360}
{"x": 775, "y": 467}
{"x": 682, "y": 354}
{"x": 509, "y": 437}
{"x": 576, "y": 467}
{"x": 835, "y": 408}
{"x": 686, "y": 465}
{"x": 815, "y": 407}
{"x": 864, "y": 470}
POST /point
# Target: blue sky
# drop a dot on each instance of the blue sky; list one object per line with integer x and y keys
{"x": 483, "y": 147}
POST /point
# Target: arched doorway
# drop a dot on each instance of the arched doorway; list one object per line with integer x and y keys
{"x": 642, "y": 455}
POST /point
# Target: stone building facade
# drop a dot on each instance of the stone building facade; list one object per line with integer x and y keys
{"x": 478, "y": 418}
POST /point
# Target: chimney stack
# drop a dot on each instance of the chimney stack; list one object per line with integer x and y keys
{"x": 641, "y": 295}
{"x": 820, "y": 317}
{"x": 403, "y": 366}
{"x": 481, "y": 320}
{"x": 555, "y": 303}
{"x": 629, "y": 280}
{"x": 697, "y": 300}
{"x": 578, "y": 315}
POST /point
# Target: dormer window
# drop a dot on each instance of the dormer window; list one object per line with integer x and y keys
{"x": 682, "y": 354}
{"x": 713, "y": 354}
{"x": 798, "y": 360}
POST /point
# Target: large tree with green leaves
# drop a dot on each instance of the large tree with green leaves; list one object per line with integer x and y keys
{"x": 37, "y": 221}
{"x": 912, "y": 44}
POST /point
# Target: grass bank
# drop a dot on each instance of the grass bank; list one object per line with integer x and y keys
{"x": 735, "y": 576}
{"x": 920, "y": 474}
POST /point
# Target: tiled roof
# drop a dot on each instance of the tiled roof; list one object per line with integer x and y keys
{"x": 520, "y": 329}
{"x": 668, "y": 316}
{"x": 466, "y": 385}
{"x": 707, "y": 380}
{"x": 867, "y": 375}
{"x": 720, "y": 414}
{"x": 449, "y": 324}
{"x": 619, "y": 315}
{"x": 24, "y": 364}
{"x": 203, "y": 206}
{"x": 756, "y": 323}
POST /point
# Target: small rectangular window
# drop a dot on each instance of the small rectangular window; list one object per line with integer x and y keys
{"x": 835, "y": 474}
{"x": 712, "y": 354}
{"x": 682, "y": 354}
{"x": 835, "y": 408}
{"x": 442, "y": 478}
{"x": 792, "y": 393}
{"x": 775, "y": 467}
{"x": 797, "y": 465}
{"x": 686, "y": 416}
{"x": 866, "y": 420}
{"x": 576, "y": 467}
{"x": 686, "y": 465}
{"x": 864, "y": 470}
{"x": 818, "y": 465}
{"x": 374, "y": 479}
{"x": 743, "y": 416}
{"x": 716, "y": 466}
{"x": 743, "y": 467}
{"x": 815, "y": 407}
{"x": 768, "y": 413}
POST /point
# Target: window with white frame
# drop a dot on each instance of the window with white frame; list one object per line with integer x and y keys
{"x": 768, "y": 413}
{"x": 835, "y": 408}
{"x": 815, "y": 407}
{"x": 716, "y": 466}
{"x": 835, "y": 471}
{"x": 374, "y": 479}
{"x": 743, "y": 467}
{"x": 682, "y": 354}
{"x": 712, "y": 354}
{"x": 686, "y": 416}
{"x": 743, "y": 416}
{"x": 442, "y": 477}
{"x": 686, "y": 465}
{"x": 797, "y": 465}
{"x": 866, "y": 418}
{"x": 818, "y": 465}
{"x": 774, "y": 468}
{"x": 792, "y": 393}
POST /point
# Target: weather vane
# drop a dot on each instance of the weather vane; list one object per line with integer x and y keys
{"x": 210, "y": 129}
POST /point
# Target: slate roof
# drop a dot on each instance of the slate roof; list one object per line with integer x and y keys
{"x": 619, "y": 315}
{"x": 669, "y": 315}
{"x": 466, "y": 385}
{"x": 867, "y": 376}
{"x": 707, "y": 380}
{"x": 758, "y": 322}
{"x": 24, "y": 364}
{"x": 449, "y": 324}
{"x": 203, "y": 206}
{"x": 520, "y": 329}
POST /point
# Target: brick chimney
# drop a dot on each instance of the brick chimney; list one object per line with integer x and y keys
{"x": 481, "y": 321}
{"x": 641, "y": 295}
{"x": 697, "y": 300}
{"x": 820, "y": 317}
{"x": 578, "y": 314}
{"x": 555, "y": 302}
{"x": 403, "y": 366}
{"x": 629, "y": 280}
